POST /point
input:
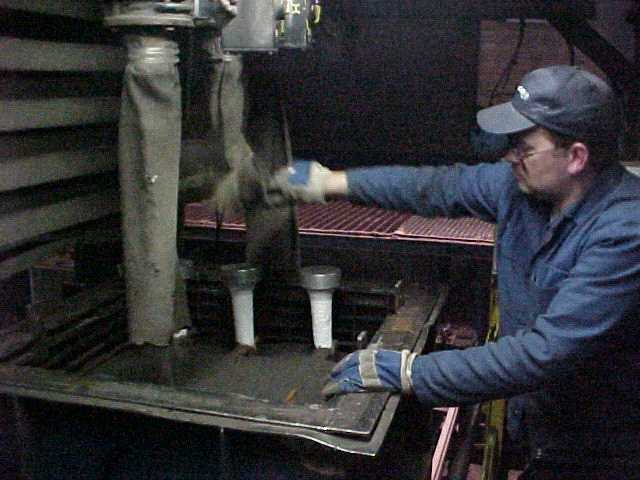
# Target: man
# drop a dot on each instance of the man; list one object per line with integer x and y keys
{"x": 568, "y": 262}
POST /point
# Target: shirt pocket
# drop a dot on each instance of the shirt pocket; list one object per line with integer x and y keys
{"x": 546, "y": 279}
{"x": 518, "y": 302}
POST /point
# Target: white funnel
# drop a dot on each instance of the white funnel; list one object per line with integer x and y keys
{"x": 240, "y": 279}
{"x": 320, "y": 282}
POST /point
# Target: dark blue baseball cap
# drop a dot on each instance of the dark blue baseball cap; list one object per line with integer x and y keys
{"x": 561, "y": 98}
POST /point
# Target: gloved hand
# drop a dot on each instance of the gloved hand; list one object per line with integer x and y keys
{"x": 305, "y": 180}
{"x": 371, "y": 370}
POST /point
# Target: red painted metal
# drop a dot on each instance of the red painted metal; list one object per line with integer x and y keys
{"x": 440, "y": 453}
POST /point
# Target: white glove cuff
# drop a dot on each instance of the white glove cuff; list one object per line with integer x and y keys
{"x": 406, "y": 362}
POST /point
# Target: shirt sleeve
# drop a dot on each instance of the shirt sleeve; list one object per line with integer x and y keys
{"x": 591, "y": 321}
{"x": 458, "y": 190}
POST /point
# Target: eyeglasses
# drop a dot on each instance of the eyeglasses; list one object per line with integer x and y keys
{"x": 520, "y": 154}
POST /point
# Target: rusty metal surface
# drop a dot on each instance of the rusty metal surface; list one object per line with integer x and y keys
{"x": 274, "y": 391}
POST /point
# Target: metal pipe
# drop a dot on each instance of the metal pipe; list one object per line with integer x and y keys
{"x": 149, "y": 154}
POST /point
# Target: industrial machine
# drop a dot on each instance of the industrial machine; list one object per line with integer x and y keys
{"x": 80, "y": 354}
{"x": 149, "y": 311}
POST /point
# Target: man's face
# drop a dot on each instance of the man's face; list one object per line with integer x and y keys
{"x": 539, "y": 167}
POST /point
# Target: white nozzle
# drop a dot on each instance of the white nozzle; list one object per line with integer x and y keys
{"x": 321, "y": 305}
{"x": 320, "y": 282}
{"x": 240, "y": 279}
{"x": 242, "y": 301}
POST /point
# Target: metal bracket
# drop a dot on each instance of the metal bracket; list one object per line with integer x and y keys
{"x": 204, "y": 9}
{"x": 249, "y": 25}
{"x": 187, "y": 13}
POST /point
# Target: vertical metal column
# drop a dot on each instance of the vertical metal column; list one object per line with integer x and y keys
{"x": 149, "y": 154}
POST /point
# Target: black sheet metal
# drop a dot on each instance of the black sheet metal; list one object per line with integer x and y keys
{"x": 275, "y": 391}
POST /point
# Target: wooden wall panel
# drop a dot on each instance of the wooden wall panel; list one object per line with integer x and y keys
{"x": 34, "y": 55}
{"x": 60, "y": 72}
{"x": 57, "y": 112}
{"x": 38, "y": 169}
{"x": 89, "y": 10}
{"x": 497, "y": 49}
{"x": 24, "y": 224}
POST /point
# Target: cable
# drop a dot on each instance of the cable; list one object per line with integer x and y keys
{"x": 572, "y": 53}
{"x": 503, "y": 80}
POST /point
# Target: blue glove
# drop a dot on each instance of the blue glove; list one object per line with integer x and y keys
{"x": 305, "y": 180}
{"x": 371, "y": 370}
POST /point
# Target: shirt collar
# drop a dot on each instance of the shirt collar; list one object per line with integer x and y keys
{"x": 603, "y": 183}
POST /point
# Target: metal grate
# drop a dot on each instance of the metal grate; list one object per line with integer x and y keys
{"x": 345, "y": 219}
{"x": 459, "y": 230}
{"x": 74, "y": 334}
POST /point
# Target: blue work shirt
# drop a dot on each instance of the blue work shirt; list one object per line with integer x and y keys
{"x": 568, "y": 355}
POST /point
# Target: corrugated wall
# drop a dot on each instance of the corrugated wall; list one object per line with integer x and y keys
{"x": 60, "y": 87}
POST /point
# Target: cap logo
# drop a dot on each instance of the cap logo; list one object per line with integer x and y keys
{"x": 524, "y": 95}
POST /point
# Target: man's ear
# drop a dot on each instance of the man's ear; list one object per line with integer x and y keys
{"x": 578, "y": 158}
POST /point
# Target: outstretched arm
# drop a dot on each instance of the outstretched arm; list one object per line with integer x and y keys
{"x": 458, "y": 190}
